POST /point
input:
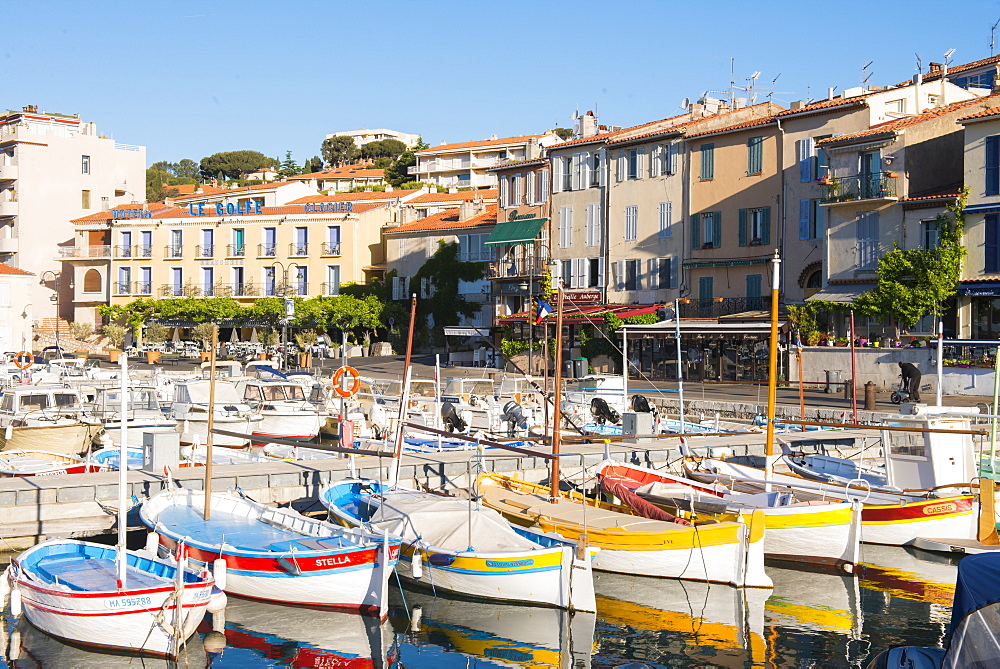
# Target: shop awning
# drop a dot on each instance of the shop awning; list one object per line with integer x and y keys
{"x": 516, "y": 232}
{"x": 978, "y": 288}
{"x": 842, "y": 292}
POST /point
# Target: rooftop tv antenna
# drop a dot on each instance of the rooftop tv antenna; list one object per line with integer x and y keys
{"x": 866, "y": 74}
{"x": 920, "y": 64}
{"x": 993, "y": 36}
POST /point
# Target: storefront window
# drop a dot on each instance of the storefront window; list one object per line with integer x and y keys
{"x": 985, "y": 317}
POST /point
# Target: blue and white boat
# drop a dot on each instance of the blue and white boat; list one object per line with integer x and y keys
{"x": 109, "y": 459}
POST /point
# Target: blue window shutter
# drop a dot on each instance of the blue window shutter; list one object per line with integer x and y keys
{"x": 992, "y": 263}
{"x": 765, "y": 225}
{"x": 743, "y": 227}
{"x": 716, "y": 229}
{"x": 805, "y": 209}
{"x": 993, "y": 165}
{"x": 695, "y": 232}
{"x": 822, "y": 166}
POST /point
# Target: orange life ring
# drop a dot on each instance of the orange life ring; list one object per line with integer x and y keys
{"x": 23, "y": 360}
{"x": 354, "y": 387}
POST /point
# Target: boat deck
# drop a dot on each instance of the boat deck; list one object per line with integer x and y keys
{"x": 92, "y": 574}
{"x": 241, "y": 531}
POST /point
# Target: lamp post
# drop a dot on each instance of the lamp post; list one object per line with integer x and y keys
{"x": 56, "y": 278}
{"x": 289, "y": 311}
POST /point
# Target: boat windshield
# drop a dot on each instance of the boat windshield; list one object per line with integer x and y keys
{"x": 34, "y": 402}
{"x": 66, "y": 399}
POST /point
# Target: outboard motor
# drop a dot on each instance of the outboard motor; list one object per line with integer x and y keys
{"x": 602, "y": 412}
{"x": 379, "y": 420}
{"x": 513, "y": 413}
{"x": 449, "y": 414}
{"x": 640, "y": 404}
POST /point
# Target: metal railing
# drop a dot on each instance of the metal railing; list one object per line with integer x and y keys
{"x": 715, "y": 307}
{"x": 171, "y": 251}
{"x": 143, "y": 288}
{"x": 236, "y": 250}
{"x": 298, "y": 250}
{"x": 476, "y": 256}
{"x": 517, "y": 267}
{"x": 330, "y": 288}
{"x": 124, "y": 251}
{"x": 84, "y": 251}
{"x": 267, "y": 250}
{"x": 204, "y": 250}
{"x": 331, "y": 249}
{"x": 123, "y": 287}
{"x": 245, "y": 289}
{"x": 874, "y": 186}
{"x": 143, "y": 251}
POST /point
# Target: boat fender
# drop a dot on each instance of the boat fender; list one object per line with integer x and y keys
{"x": 15, "y": 645}
{"x": 8, "y": 433}
{"x": 417, "y": 565}
{"x": 15, "y": 602}
{"x": 215, "y": 642}
{"x": 218, "y": 601}
{"x": 415, "y": 615}
{"x": 220, "y": 572}
{"x": 152, "y": 543}
{"x": 440, "y": 559}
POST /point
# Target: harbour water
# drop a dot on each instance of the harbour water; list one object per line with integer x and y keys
{"x": 901, "y": 596}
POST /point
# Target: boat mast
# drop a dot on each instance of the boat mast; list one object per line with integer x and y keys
{"x": 557, "y": 398}
{"x": 772, "y": 370}
{"x": 210, "y": 440}
{"x": 120, "y": 556}
{"x": 404, "y": 398}
{"x": 680, "y": 368}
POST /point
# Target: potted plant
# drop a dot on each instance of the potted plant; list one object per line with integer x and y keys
{"x": 269, "y": 339}
{"x": 203, "y": 333}
{"x": 116, "y": 338}
{"x": 155, "y": 333}
{"x": 305, "y": 340}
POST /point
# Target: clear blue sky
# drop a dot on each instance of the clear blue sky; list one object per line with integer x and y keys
{"x": 188, "y": 79}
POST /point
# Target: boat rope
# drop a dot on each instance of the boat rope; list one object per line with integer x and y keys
{"x": 399, "y": 583}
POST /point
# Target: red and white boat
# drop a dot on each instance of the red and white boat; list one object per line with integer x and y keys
{"x": 20, "y": 462}
{"x": 278, "y": 555}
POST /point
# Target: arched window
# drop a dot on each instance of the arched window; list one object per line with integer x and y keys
{"x": 92, "y": 281}
{"x": 814, "y": 282}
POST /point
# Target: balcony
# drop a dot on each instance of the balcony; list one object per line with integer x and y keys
{"x": 516, "y": 268}
{"x": 9, "y": 244}
{"x": 330, "y": 288}
{"x": 143, "y": 251}
{"x": 8, "y": 172}
{"x": 9, "y": 207}
{"x": 476, "y": 256}
{"x": 245, "y": 289}
{"x": 84, "y": 252}
{"x": 236, "y": 250}
{"x": 331, "y": 249}
{"x": 298, "y": 250}
{"x": 715, "y": 307}
{"x": 267, "y": 250}
{"x": 143, "y": 288}
{"x": 122, "y": 287}
{"x": 875, "y": 186}
{"x": 204, "y": 250}
{"x": 125, "y": 251}
{"x": 176, "y": 290}
{"x": 171, "y": 251}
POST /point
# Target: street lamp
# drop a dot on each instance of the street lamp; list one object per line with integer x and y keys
{"x": 57, "y": 282}
{"x": 289, "y": 313}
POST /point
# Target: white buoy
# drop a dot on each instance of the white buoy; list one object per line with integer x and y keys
{"x": 219, "y": 570}
{"x": 417, "y": 565}
{"x": 218, "y": 601}
{"x": 15, "y": 645}
{"x": 15, "y": 602}
{"x": 8, "y": 433}
{"x": 152, "y": 543}
{"x": 415, "y": 615}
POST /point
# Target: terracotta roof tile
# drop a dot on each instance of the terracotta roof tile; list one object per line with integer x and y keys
{"x": 827, "y": 104}
{"x": 765, "y": 120}
{"x": 517, "y": 163}
{"x": 154, "y": 207}
{"x": 956, "y": 69}
{"x": 891, "y": 127}
{"x": 7, "y": 269}
{"x": 354, "y": 197}
{"x": 986, "y": 113}
{"x": 447, "y": 220}
{"x": 947, "y": 193}
{"x": 460, "y": 196}
{"x": 341, "y": 172}
{"x": 599, "y": 137}
{"x": 212, "y": 190}
{"x": 481, "y": 143}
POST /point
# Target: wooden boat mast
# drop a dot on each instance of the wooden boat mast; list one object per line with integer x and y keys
{"x": 557, "y": 398}
{"x": 405, "y": 395}
{"x": 772, "y": 367}
{"x": 120, "y": 556}
{"x": 210, "y": 440}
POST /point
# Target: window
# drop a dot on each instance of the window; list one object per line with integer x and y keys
{"x": 755, "y": 155}
{"x": 472, "y": 248}
{"x": 565, "y": 227}
{"x": 578, "y": 278}
{"x": 269, "y": 246}
{"x": 595, "y": 273}
{"x": 207, "y": 243}
{"x": 542, "y": 184}
{"x": 239, "y": 283}
{"x": 85, "y": 165}
{"x": 208, "y": 280}
{"x": 754, "y": 290}
{"x": 177, "y": 281}
{"x": 866, "y": 229}
{"x": 333, "y": 280}
{"x": 810, "y": 219}
{"x": 993, "y": 165}
{"x": 400, "y": 286}
{"x": 126, "y": 249}
{"x": 707, "y": 161}
{"x": 515, "y": 190}
{"x": 930, "y": 233}
{"x": 504, "y": 191}
{"x": 755, "y": 226}
{"x": 666, "y": 220}
{"x": 239, "y": 243}
{"x": 557, "y": 174}
{"x": 667, "y": 158}
{"x": 566, "y": 273}
{"x": 596, "y": 177}
{"x": 706, "y": 230}
{"x": 633, "y": 275}
{"x": 631, "y": 223}
{"x": 302, "y": 281}
{"x": 105, "y": 203}
{"x": 992, "y": 246}
{"x": 270, "y": 287}
{"x": 124, "y": 280}
{"x": 145, "y": 281}
{"x": 895, "y": 107}
{"x": 530, "y": 196}
{"x": 583, "y": 167}
{"x": 333, "y": 240}
{"x": 301, "y": 245}
{"x": 176, "y": 248}
{"x": 85, "y": 199}
{"x": 593, "y": 225}
{"x": 146, "y": 244}
{"x": 634, "y": 163}
{"x": 567, "y": 172}
{"x": 661, "y": 273}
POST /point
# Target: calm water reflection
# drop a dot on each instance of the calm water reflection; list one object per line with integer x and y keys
{"x": 808, "y": 620}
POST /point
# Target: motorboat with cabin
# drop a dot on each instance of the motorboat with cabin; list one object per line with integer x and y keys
{"x": 191, "y": 410}
{"x": 47, "y": 418}
{"x": 145, "y": 414}
{"x": 285, "y": 411}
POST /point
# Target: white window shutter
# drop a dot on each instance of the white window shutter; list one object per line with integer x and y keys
{"x": 590, "y": 226}
{"x": 598, "y": 225}
{"x": 653, "y": 272}
{"x": 585, "y": 170}
{"x": 600, "y": 272}
{"x": 574, "y": 167}
{"x": 557, "y": 175}
{"x": 544, "y": 176}
{"x": 640, "y": 158}
{"x": 529, "y": 188}
{"x": 672, "y": 159}
{"x": 602, "y": 177}
{"x": 620, "y": 268}
{"x": 620, "y": 166}
{"x": 504, "y": 202}
{"x": 654, "y": 160}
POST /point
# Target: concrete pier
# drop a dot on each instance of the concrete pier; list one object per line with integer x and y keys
{"x": 82, "y": 505}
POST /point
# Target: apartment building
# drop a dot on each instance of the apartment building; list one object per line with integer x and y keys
{"x": 16, "y": 310}
{"x": 344, "y": 179}
{"x": 362, "y": 136}
{"x": 466, "y": 164}
{"x": 427, "y": 202}
{"x": 887, "y": 184}
{"x": 54, "y": 168}
{"x": 411, "y": 244}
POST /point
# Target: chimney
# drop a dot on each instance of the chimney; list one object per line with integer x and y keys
{"x": 533, "y": 149}
{"x": 492, "y": 137}
{"x": 696, "y": 109}
{"x": 829, "y": 92}
{"x": 588, "y": 124}
{"x": 471, "y": 208}
{"x": 935, "y": 67}
{"x": 798, "y": 104}
{"x": 31, "y": 109}
{"x": 453, "y": 189}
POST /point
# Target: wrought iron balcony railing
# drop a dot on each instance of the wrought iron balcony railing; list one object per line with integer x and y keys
{"x": 331, "y": 249}
{"x": 236, "y": 250}
{"x": 714, "y": 307}
{"x": 874, "y": 186}
{"x": 298, "y": 250}
{"x": 267, "y": 250}
{"x": 514, "y": 268}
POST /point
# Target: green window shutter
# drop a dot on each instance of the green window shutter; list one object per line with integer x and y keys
{"x": 695, "y": 232}
{"x": 716, "y": 229}
{"x": 755, "y": 155}
{"x": 743, "y": 227}
{"x": 765, "y": 225}
{"x": 708, "y": 161}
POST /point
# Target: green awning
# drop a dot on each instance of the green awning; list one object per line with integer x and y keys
{"x": 516, "y": 232}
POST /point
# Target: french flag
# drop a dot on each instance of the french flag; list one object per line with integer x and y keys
{"x": 541, "y": 311}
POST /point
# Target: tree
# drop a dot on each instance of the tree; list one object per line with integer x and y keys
{"x": 397, "y": 173}
{"x": 441, "y": 274}
{"x": 383, "y": 148}
{"x": 156, "y": 179}
{"x": 288, "y": 166}
{"x": 340, "y": 151}
{"x": 186, "y": 169}
{"x": 234, "y": 164}
{"x": 917, "y": 282}
{"x": 564, "y": 133}
{"x": 314, "y": 164}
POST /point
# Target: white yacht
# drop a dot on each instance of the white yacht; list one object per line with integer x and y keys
{"x": 190, "y": 409}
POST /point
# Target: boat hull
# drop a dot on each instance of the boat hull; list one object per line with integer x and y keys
{"x": 198, "y": 429}
{"x": 71, "y": 439}
{"x": 300, "y": 425}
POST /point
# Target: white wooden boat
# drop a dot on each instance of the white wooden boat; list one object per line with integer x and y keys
{"x": 466, "y": 548}
{"x": 40, "y": 463}
{"x": 145, "y": 414}
{"x": 275, "y": 554}
{"x": 285, "y": 411}
{"x": 288, "y": 452}
{"x": 44, "y": 418}
{"x": 109, "y": 459}
{"x": 197, "y": 455}
{"x": 190, "y": 409}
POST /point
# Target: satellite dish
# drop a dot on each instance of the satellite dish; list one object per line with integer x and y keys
{"x": 685, "y": 103}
